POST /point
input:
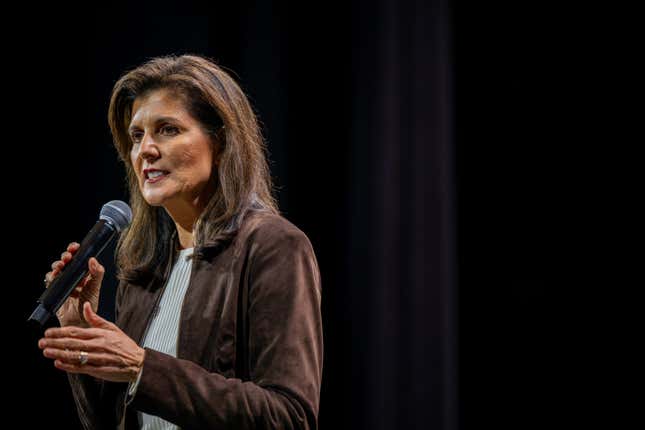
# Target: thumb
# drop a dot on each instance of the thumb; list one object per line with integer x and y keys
{"x": 92, "y": 318}
{"x": 91, "y": 284}
{"x": 96, "y": 272}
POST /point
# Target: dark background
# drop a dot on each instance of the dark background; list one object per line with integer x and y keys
{"x": 439, "y": 155}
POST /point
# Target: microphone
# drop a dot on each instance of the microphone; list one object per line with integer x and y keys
{"x": 115, "y": 216}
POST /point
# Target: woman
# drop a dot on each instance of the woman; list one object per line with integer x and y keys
{"x": 218, "y": 321}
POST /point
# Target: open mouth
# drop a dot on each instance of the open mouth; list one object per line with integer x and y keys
{"x": 155, "y": 175}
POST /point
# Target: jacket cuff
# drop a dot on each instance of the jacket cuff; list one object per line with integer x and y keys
{"x": 145, "y": 392}
{"x": 132, "y": 387}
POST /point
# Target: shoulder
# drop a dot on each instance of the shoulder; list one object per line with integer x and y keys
{"x": 279, "y": 254}
{"x": 265, "y": 229}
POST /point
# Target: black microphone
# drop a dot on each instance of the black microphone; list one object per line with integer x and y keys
{"x": 115, "y": 216}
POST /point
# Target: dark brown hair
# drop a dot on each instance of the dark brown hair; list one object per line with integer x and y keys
{"x": 216, "y": 101}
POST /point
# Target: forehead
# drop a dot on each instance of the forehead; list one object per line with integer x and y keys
{"x": 158, "y": 103}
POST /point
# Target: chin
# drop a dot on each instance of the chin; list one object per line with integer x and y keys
{"x": 153, "y": 199}
{"x": 154, "y": 203}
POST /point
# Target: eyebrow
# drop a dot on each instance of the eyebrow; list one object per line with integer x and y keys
{"x": 157, "y": 120}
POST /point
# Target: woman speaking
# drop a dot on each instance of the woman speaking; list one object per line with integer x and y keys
{"x": 218, "y": 307}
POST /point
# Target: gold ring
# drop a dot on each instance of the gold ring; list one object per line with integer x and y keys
{"x": 82, "y": 357}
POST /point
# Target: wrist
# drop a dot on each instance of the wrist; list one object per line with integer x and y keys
{"x": 134, "y": 382}
{"x": 141, "y": 355}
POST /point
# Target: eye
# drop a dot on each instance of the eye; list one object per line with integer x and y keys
{"x": 136, "y": 136}
{"x": 168, "y": 130}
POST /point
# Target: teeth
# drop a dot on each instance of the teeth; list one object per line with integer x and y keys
{"x": 156, "y": 174}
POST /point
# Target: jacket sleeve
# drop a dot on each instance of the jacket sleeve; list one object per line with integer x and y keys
{"x": 96, "y": 399}
{"x": 285, "y": 351}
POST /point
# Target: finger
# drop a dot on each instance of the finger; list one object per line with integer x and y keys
{"x": 74, "y": 332}
{"x": 72, "y": 344}
{"x": 95, "y": 275}
{"x": 96, "y": 269}
{"x": 72, "y": 358}
{"x": 73, "y": 368}
{"x": 102, "y": 359}
{"x": 100, "y": 372}
{"x": 66, "y": 257}
{"x": 73, "y": 247}
{"x": 57, "y": 265}
{"x": 66, "y": 356}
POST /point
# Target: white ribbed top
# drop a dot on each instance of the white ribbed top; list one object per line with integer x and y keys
{"x": 164, "y": 328}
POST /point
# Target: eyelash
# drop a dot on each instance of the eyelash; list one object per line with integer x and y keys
{"x": 136, "y": 135}
{"x": 175, "y": 130}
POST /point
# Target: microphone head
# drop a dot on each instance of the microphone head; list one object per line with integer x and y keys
{"x": 117, "y": 213}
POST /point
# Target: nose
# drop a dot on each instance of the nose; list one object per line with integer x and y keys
{"x": 148, "y": 149}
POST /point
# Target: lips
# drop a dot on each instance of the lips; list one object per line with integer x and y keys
{"x": 154, "y": 175}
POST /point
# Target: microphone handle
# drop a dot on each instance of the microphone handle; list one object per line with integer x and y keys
{"x": 62, "y": 286}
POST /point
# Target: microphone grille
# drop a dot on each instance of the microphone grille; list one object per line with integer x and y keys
{"x": 117, "y": 213}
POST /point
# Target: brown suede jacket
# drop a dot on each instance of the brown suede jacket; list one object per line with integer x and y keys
{"x": 250, "y": 346}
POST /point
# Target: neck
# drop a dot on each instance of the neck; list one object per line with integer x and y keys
{"x": 184, "y": 219}
{"x": 185, "y": 237}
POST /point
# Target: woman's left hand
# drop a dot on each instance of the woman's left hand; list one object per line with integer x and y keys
{"x": 102, "y": 350}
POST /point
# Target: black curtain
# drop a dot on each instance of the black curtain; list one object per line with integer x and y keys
{"x": 402, "y": 229}
{"x": 356, "y": 101}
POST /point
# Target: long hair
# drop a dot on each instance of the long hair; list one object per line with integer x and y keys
{"x": 216, "y": 101}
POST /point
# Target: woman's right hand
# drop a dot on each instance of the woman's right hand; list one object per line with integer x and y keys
{"x": 71, "y": 312}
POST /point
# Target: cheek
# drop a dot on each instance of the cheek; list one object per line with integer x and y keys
{"x": 194, "y": 161}
{"x": 133, "y": 157}
{"x": 135, "y": 165}
{"x": 206, "y": 166}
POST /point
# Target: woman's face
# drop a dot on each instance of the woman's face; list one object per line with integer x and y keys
{"x": 172, "y": 155}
